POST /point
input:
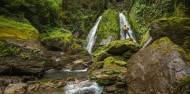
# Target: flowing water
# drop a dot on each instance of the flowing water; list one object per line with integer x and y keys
{"x": 84, "y": 87}
{"x": 123, "y": 21}
{"x": 147, "y": 42}
{"x": 91, "y": 36}
{"x": 77, "y": 83}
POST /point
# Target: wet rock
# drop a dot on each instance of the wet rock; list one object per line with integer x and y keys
{"x": 157, "y": 68}
{"x": 19, "y": 88}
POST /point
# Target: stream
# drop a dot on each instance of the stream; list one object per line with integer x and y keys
{"x": 77, "y": 83}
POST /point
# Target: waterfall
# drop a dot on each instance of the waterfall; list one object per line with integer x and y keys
{"x": 147, "y": 42}
{"x": 123, "y": 21}
{"x": 91, "y": 36}
{"x": 84, "y": 87}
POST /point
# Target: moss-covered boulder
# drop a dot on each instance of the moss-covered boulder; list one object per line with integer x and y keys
{"x": 120, "y": 47}
{"x": 157, "y": 68}
{"x": 109, "y": 72}
{"x": 20, "y": 50}
{"x": 177, "y": 29}
{"x": 57, "y": 40}
{"x": 108, "y": 27}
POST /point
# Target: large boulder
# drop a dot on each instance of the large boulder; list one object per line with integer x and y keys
{"x": 177, "y": 29}
{"x": 21, "y": 51}
{"x": 120, "y": 47}
{"x": 157, "y": 68}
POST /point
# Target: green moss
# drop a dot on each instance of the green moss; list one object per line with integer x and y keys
{"x": 177, "y": 29}
{"x": 25, "y": 56}
{"x": 8, "y": 50}
{"x": 60, "y": 35}
{"x": 109, "y": 61}
{"x": 42, "y": 63}
{"x": 164, "y": 51}
{"x": 114, "y": 61}
{"x": 100, "y": 56}
{"x": 111, "y": 72}
{"x": 13, "y": 29}
{"x": 183, "y": 82}
{"x": 117, "y": 47}
{"x": 108, "y": 26}
{"x": 121, "y": 63}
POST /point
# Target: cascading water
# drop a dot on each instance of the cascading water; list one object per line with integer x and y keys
{"x": 91, "y": 36}
{"x": 123, "y": 22}
{"x": 147, "y": 42}
{"x": 84, "y": 87}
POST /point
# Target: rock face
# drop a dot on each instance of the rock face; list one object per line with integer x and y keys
{"x": 108, "y": 27}
{"x": 157, "y": 68}
{"x": 177, "y": 29}
{"x": 21, "y": 52}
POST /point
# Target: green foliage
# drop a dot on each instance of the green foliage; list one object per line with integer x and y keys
{"x": 144, "y": 12}
{"x": 81, "y": 15}
{"x": 108, "y": 26}
{"x": 43, "y": 14}
{"x": 6, "y": 50}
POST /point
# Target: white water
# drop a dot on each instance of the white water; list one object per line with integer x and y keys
{"x": 91, "y": 36}
{"x": 147, "y": 42}
{"x": 68, "y": 70}
{"x": 84, "y": 87}
{"x": 123, "y": 21}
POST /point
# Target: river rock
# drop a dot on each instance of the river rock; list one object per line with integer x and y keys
{"x": 45, "y": 85}
{"x": 157, "y": 69}
{"x": 19, "y": 88}
{"x": 177, "y": 29}
{"x": 21, "y": 51}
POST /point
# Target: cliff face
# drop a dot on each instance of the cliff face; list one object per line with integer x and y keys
{"x": 143, "y": 12}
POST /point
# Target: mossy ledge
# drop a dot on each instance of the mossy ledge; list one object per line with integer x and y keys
{"x": 21, "y": 51}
